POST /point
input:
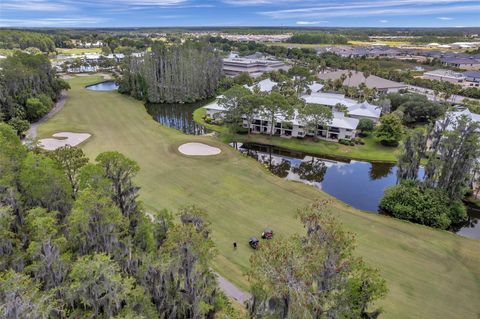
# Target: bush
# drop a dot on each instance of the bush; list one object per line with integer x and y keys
{"x": 208, "y": 120}
{"x": 346, "y": 142}
{"x": 365, "y": 126}
{"x": 420, "y": 204}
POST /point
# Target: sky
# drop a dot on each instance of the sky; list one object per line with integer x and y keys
{"x": 310, "y": 13}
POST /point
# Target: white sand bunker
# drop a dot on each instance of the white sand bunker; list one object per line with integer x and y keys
{"x": 63, "y": 139}
{"x": 198, "y": 149}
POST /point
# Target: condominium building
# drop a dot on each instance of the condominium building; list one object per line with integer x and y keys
{"x": 254, "y": 67}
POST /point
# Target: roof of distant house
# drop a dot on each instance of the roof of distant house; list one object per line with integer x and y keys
{"x": 457, "y": 114}
{"x": 340, "y": 120}
{"x": 365, "y": 109}
{"x": 357, "y": 78}
{"x": 315, "y": 87}
{"x": 329, "y": 99}
{"x": 214, "y": 106}
{"x": 471, "y": 74}
{"x": 460, "y": 60}
{"x": 264, "y": 85}
{"x": 445, "y": 73}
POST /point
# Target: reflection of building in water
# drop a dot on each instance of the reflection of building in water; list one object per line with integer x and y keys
{"x": 289, "y": 164}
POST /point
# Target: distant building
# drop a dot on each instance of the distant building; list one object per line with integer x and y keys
{"x": 445, "y": 75}
{"x": 382, "y": 85}
{"x": 462, "y": 63}
{"x": 472, "y": 78}
{"x": 365, "y": 110}
{"x": 254, "y": 67}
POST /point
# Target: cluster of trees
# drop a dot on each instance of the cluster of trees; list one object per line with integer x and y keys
{"x": 76, "y": 242}
{"x": 416, "y": 108}
{"x": 318, "y": 38}
{"x": 315, "y": 275}
{"x": 28, "y": 88}
{"x": 17, "y": 39}
{"x": 451, "y": 154}
{"x": 173, "y": 73}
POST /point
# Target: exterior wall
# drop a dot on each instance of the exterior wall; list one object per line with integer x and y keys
{"x": 465, "y": 66}
{"x": 443, "y": 78}
{"x": 289, "y": 130}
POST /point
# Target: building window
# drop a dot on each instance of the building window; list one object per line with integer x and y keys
{"x": 347, "y": 137}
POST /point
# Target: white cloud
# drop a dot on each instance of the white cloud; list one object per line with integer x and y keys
{"x": 445, "y": 18}
{"x": 51, "y": 22}
{"x": 383, "y": 21}
{"x": 310, "y": 22}
{"x": 360, "y": 8}
{"x": 34, "y": 5}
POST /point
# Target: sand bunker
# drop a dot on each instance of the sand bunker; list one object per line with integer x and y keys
{"x": 198, "y": 149}
{"x": 62, "y": 139}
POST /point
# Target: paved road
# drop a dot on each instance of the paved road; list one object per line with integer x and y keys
{"x": 430, "y": 95}
{"x": 32, "y": 131}
{"x": 232, "y": 291}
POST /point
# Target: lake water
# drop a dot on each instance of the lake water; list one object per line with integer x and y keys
{"x": 103, "y": 86}
{"x": 357, "y": 183}
{"x": 178, "y": 116}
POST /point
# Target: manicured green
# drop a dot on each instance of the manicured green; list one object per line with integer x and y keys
{"x": 78, "y": 50}
{"x": 430, "y": 273}
{"x": 371, "y": 151}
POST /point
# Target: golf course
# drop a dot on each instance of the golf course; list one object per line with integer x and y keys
{"x": 429, "y": 273}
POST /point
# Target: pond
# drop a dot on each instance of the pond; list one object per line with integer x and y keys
{"x": 357, "y": 183}
{"x": 103, "y": 86}
{"x": 178, "y": 116}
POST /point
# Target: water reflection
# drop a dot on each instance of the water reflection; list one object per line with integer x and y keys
{"x": 178, "y": 116}
{"x": 357, "y": 183}
{"x": 103, "y": 86}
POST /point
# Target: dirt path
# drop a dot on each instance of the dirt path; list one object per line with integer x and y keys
{"x": 232, "y": 291}
{"x": 32, "y": 131}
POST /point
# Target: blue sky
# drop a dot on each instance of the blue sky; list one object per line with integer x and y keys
{"x": 319, "y": 13}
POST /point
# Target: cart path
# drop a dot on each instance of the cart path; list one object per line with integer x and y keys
{"x": 232, "y": 291}
{"x": 32, "y": 131}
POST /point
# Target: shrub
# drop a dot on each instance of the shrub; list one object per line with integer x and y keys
{"x": 413, "y": 201}
{"x": 346, "y": 142}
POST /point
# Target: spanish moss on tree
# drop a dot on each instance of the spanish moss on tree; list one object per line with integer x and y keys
{"x": 173, "y": 74}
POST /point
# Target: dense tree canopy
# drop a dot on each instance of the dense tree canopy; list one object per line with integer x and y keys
{"x": 97, "y": 254}
{"x": 174, "y": 73}
{"x": 315, "y": 275}
{"x": 17, "y": 39}
{"x": 28, "y": 86}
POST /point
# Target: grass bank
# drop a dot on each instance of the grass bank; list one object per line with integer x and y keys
{"x": 372, "y": 151}
{"x": 430, "y": 273}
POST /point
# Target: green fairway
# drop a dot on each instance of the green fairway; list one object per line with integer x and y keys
{"x": 78, "y": 50}
{"x": 371, "y": 151}
{"x": 430, "y": 273}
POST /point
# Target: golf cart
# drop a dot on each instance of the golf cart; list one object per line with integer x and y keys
{"x": 253, "y": 242}
{"x": 267, "y": 233}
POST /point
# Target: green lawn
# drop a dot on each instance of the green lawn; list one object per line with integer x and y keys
{"x": 78, "y": 50}
{"x": 371, "y": 151}
{"x": 430, "y": 273}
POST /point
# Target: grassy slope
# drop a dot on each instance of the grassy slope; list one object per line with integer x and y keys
{"x": 430, "y": 274}
{"x": 371, "y": 151}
